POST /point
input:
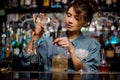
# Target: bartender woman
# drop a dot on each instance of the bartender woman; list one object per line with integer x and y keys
{"x": 79, "y": 13}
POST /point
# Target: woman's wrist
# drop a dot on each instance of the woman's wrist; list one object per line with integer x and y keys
{"x": 29, "y": 46}
{"x": 35, "y": 37}
{"x": 72, "y": 50}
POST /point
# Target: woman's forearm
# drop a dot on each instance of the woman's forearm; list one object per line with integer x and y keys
{"x": 29, "y": 45}
{"x": 76, "y": 61}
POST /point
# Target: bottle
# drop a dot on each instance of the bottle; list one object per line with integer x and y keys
{"x": 34, "y": 4}
{"x": 16, "y": 52}
{"x": 22, "y": 4}
{"x": 27, "y": 4}
{"x": 6, "y": 62}
{"x": 8, "y": 55}
{"x": 64, "y": 3}
{"x": 46, "y": 3}
{"x": 15, "y": 3}
{"x": 9, "y": 4}
{"x": 59, "y": 30}
{"x": 8, "y": 49}
{"x": 110, "y": 53}
{"x": 103, "y": 3}
{"x": 103, "y": 67}
{"x": 108, "y": 3}
{"x": 3, "y": 36}
{"x": 117, "y": 47}
{"x": 101, "y": 41}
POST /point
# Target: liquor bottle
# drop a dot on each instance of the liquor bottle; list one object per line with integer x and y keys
{"x": 16, "y": 52}
{"x": 103, "y": 67}
{"x": 64, "y": 3}
{"x": 9, "y": 4}
{"x": 8, "y": 49}
{"x": 15, "y": 3}
{"x": 56, "y": 4}
{"x": 6, "y": 62}
{"x": 101, "y": 41}
{"x": 34, "y": 4}
{"x": 52, "y": 32}
{"x": 114, "y": 3}
{"x": 2, "y": 42}
{"x": 0, "y": 51}
{"x": 22, "y": 4}
{"x": 3, "y": 36}
{"x": 22, "y": 43}
{"x": 27, "y": 4}
{"x": 103, "y": 3}
{"x": 8, "y": 31}
{"x": 59, "y": 30}
{"x": 109, "y": 3}
{"x": 117, "y": 47}
{"x": 110, "y": 53}
{"x": 46, "y": 3}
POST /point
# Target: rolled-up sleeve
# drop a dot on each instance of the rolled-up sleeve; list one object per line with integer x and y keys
{"x": 24, "y": 59}
{"x": 43, "y": 53}
{"x": 93, "y": 59}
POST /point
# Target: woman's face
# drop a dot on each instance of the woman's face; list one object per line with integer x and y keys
{"x": 73, "y": 21}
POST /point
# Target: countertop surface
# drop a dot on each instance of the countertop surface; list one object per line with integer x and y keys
{"x": 37, "y": 75}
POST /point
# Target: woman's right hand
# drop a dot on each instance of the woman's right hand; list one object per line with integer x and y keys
{"x": 37, "y": 32}
{"x": 38, "y": 29}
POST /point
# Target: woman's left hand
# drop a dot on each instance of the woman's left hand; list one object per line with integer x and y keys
{"x": 64, "y": 42}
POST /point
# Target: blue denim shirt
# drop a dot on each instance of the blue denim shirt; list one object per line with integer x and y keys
{"x": 81, "y": 42}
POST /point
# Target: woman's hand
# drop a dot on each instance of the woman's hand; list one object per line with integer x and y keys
{"x": 38, "y": 29}
{"x": 64, "y": 42}
{"x": 36, "y": 34}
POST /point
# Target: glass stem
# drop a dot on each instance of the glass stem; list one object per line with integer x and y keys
{"x": 81, "y": 70}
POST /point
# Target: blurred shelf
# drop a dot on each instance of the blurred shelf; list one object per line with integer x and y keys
{"x": 109, "y": 9}
{"x": 54, "y": 10}
{"x": 36, "y": 10}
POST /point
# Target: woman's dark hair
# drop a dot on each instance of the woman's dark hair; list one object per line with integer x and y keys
{"x": 88, "y": 7}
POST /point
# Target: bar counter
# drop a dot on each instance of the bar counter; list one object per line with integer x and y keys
{"x": 36, "y": 75}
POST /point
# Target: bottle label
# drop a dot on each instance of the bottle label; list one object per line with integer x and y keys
{"x": 117, "y": 49}
{"x": 64, "y": 1}
{"x": 16, "y": 51}
{"x": 27, "y": 2}
{"x": 46, "y": 3}
{"x": 21, "y": 2}
{"x": 110, "y": 53}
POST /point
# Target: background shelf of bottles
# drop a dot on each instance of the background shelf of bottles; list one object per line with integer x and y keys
{"x": 109, "y": 5}
{"x": 23, "y": 6}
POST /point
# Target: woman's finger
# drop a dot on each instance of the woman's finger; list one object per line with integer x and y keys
{"x": 60, "y": 39}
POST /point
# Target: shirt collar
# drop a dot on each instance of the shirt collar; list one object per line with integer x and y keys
{"x": 75, "y": 41}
